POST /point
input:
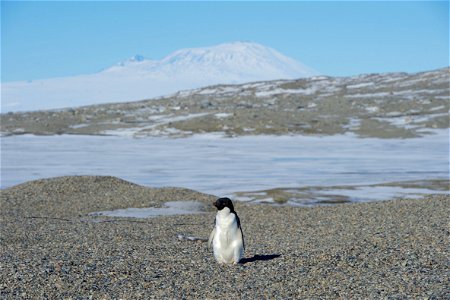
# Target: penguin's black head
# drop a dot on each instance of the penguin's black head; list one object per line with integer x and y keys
{"x": 221, "y": 203}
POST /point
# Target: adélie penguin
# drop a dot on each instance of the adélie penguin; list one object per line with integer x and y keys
{"x": 227, "y": 238}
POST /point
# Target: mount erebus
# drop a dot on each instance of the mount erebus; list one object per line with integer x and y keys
{"x": 138, "y": 78}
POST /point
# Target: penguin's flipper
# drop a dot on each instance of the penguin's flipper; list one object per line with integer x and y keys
{"x": 240, "y": 230}
{"x": 211, "y": 237}
{"x": 242, "y": 237}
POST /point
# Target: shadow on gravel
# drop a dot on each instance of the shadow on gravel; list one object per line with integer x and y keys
{"x": 258, "y": 257}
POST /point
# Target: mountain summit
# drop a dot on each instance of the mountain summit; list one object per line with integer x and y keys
{"x": 236, "y": 62}
{"x": 139, "y": 78}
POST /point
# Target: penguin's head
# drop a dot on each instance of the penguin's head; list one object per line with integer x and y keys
{"x": 221, "y": 203}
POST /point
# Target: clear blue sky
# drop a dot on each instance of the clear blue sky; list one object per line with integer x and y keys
{"x": 53, "y": 39}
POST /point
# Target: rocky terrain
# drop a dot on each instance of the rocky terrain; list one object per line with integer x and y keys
{"x": 53, "y": 248}
{"x": 393, "y": 105}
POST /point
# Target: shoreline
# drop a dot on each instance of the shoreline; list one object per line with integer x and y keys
{"x": 311, "y": 196}
{"x": 52, "y": 248}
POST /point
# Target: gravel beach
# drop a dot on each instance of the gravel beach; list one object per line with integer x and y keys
{"x": 52, "y": 248}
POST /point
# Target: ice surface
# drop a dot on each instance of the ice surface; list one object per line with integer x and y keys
{"x": 223, "y": 166}
{"x": 377, "y": 193}
{"x": 171, "y": 208}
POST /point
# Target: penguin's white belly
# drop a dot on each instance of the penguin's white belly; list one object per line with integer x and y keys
{"x": 228, "y": 245}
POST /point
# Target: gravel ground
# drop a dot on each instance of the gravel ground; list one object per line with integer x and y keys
{"x": 52, "y": 249}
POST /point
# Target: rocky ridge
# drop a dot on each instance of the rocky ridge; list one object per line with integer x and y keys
{"x": 392, "y": 105}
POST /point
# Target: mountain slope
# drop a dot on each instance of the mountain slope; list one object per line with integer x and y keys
{"x": 138, "y": 78}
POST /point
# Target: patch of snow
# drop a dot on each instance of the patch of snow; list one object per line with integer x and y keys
{"x": 255, "y": 85}
{"x": 369, "y": 95}
{"x": 372, "y": 109}
{"x": 409, "y": 82}
{"x": 360, "y": 85}
{"x": 405, "y": 121}
{"x": 437, "y": 108}
{"x": 394, "y": 114}
{"x": 151, "y": 129}
{"x": 163, "y": 119}
{"x": 222, "y": 115}
{"x": 76, "y": 126}
{"x": 278, "y": 91}
{"x": 415, "y": 92}
{"x": 18, "y": 130}
{"x": 207, "y": 92}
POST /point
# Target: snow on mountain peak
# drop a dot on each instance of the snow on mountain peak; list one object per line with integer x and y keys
{"x": 139, "y": 78}
{"x": 235, "y": 62}
{"x": 240, "y": 59}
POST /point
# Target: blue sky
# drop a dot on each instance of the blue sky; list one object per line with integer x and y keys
{"x": 53, "y": 39}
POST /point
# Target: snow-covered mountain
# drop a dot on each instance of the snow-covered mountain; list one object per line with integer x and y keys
{"x": 139, "y": 78}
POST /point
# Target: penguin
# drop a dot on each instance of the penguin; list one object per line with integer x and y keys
{"x": 227, "y": 238}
